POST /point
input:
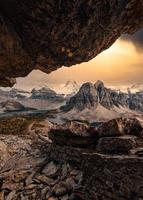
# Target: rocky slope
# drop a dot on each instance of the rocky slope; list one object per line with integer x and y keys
{"x": 90, "y": 96}
{"x": 49, "y": 34}
{"x": 34, "y": 168}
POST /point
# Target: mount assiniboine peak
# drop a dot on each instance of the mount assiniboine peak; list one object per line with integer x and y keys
{"x": 91, "y": 95}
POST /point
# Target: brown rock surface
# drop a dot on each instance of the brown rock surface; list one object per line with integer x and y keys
{"x": 4, "y": 155}
{"x": 39, "y": 170}
{"x": 121, "y": 127}
{"x": 116, "y": 145}
{"x": 73, "y": 133}
{"x": 48, "y": 34}
{"x": 90, "y": 176}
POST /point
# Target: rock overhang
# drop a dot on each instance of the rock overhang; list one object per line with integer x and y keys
{"x": 47, "y": 34}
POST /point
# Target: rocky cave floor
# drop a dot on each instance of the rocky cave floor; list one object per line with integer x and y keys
{"x": 79, "y": 167}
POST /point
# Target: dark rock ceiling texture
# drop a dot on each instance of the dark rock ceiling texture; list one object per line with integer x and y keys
{"x": 47, "y": 34}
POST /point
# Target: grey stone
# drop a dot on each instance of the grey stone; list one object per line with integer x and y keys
{"x": 50, "y": 169}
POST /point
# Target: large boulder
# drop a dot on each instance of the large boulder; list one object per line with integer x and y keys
{"x": 116, "y": 145}
{"x": 120, "y": 127}
{"x": 73, "y": 133}
{"x": 132, "y": 126}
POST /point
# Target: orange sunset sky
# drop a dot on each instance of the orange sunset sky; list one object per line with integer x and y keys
{"x": 120, "y": 65}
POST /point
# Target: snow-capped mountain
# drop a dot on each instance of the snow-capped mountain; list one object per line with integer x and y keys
{"x": 91, "y": 101}
{"x": 136, "y": 88}
{"x": 70, "y": 88}
{"x": 96, "y": 102}
{"x": 91, "y": 95}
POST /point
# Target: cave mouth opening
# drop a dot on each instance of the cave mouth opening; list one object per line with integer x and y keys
{"x": 46, "y": 35}
{"x": 119, "y": 67}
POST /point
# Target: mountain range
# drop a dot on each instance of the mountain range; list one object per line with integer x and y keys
{"x": 92, "y": 102}
{"x": 95, "y": 102}
{"x": 47, "y": 94}
{"x": 92, "y": 95}
{"x": 41, "y": 99}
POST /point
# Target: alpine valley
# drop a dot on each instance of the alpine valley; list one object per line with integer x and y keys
{"x": 93, "y": 102}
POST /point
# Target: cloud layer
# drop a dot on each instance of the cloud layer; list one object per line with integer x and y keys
{"x": 136, "y": 39}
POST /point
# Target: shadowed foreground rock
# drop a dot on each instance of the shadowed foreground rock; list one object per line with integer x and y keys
{"x": 48, "y": 34}
{"x": 80, "y": 134}
{"x": 72, "y": 174}
{"x": 121, "y": 127}
{"x": 73, "y": 133}
{"x": 33, "y": 168}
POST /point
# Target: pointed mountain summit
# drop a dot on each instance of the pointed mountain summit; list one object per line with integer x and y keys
{"x": 104, "y": 97}
{"x": 70, "y": 88}
{"x": 99, "y": 84}
{"x": 91, "y": 95}
{"x": 88, "y": 96}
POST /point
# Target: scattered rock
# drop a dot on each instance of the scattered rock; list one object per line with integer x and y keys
{"x": 44, "y": 179}
{"x": 8, "y": 185}
{"x": 2, "y": 196}
{"x": 4, "y": 155}
{"x": 65, "y": 197}
{"x": 66, "y": 173}
{"x": 75, "y": 172}
{"x": 50, "y": 169}
{"x": 116, "y": 145}
{"x": 137, "y": 152}
{"x": 45, "y": 191}
{"x": 52, "y": 198}
{"x": 12, "y": 195}
{"x": 19, "y": 176}
{"x": 132, "y": 126}
{"x": 61, "y": 189}
{"x": 29, "y": 179}
{"x": 70, "y": 183}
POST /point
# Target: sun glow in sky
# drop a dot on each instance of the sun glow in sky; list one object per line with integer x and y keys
{"x": 120, "y": 65}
